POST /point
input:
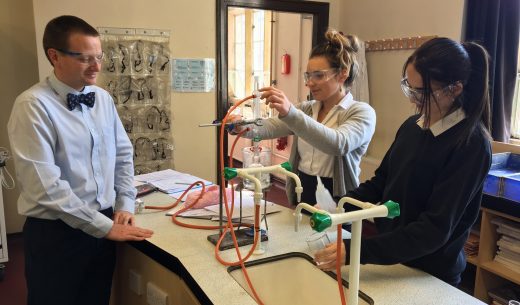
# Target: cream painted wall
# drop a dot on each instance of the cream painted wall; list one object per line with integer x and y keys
{"x": 192, "y": 25}
{"x": 374, "y": 19}
{"x": 19, "y": 71}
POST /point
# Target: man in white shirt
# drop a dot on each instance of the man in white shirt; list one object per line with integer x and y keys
{"x": 74, "y": 165}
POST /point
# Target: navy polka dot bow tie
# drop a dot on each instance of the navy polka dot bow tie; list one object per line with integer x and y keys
{"x": 74, "y": 100}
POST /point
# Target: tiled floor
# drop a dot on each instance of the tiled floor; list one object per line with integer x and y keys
{"x": 12, "y": 289}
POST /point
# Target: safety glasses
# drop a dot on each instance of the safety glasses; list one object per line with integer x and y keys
{"x": 319, "y": 76}
{"x": 83, "y": 58}
{"x": 418, "y": 93}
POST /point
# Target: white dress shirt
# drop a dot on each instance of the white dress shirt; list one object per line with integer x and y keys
{"x": 70, "y": 164}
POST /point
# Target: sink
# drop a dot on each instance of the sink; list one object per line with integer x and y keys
{"x": 292, "y": 278}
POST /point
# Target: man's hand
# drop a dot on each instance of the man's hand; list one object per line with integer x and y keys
{"x": 120, "y": 232}
{"x": 124, "y": 218}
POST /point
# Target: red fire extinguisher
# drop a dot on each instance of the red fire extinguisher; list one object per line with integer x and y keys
{"x": 286, "y": 63}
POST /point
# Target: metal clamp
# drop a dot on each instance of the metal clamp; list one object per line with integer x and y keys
{"x": 257, "y": 122}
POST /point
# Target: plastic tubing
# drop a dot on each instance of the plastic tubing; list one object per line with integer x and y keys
{"x": 229, "y": 226}
{"x": 228, "y": 214}
{"x": 339, "y": 279}
{"x": 174, "y": 204}
{"x": 257, "y": 208}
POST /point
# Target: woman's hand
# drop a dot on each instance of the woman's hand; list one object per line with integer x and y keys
{"x": 276, "y": 99}
{"x": 233, "y": 118}
{"x": 326, "y": 257}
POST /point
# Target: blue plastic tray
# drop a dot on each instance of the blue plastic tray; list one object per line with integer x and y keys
{"x": 503, "y": 179}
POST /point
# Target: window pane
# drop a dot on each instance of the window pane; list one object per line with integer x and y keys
{"x": 258, "y": 46}
{"x": 240, "y": 56}
{"x": 258, "y": 26}
{"x": 240, "y": 84}
{"x": 258, "y": 56}
{"x": 240, "y": 28}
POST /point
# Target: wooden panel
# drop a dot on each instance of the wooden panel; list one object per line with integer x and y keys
{"x": 488, "y": 238}
{"x": 486, "y": 281}
{"x": 396, "y": 43}
{"x": 502, "y": 271}
{"x": 498, "y": 147}
{"x": 129, "y": 258}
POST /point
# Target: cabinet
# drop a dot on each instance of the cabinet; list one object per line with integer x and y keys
{"x": 491, "y": 274}
{"x": 134, "y": 274}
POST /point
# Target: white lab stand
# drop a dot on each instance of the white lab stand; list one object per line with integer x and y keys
{"x": 3, "y": 237}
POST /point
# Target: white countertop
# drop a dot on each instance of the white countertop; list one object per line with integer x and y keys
{"x": 396, "y": 284}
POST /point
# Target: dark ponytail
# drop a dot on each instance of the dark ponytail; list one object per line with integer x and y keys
{"x": 477, "y": 108}
{"x": 448, "y": 62}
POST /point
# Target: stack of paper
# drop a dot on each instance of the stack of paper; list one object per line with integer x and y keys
{"x": 472, "y": 244}
{"x": 508, "y": 252}
{"x": 247, "y": 210}
{"x": 170, "y": 181}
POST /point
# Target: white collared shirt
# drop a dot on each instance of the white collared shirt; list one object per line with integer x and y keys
{"x": 313, "y": 161}
{"x": 70, "y": 164}
{"x": 445, "y": 123}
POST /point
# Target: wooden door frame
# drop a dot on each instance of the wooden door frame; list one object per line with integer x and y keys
{"x": 319, "y": 11}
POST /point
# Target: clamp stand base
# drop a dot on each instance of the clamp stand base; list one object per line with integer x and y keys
{"x": 243, "y": 238}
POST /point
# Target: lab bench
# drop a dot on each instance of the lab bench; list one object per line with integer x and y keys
{"x": 181, "y": 263}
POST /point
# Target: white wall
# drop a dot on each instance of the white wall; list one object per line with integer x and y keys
{"x": 19, "y": 72}
{"x": 375, "y": 19}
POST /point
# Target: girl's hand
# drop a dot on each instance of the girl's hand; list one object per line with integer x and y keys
{"x": 326, "y": 257}
{"x": 276, "y": 99}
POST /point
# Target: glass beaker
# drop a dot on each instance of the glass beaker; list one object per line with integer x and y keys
{"x": 259, "y": 159}
{"x": 317, "y": 241}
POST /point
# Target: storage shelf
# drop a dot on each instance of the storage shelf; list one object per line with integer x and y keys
{"x": 472, "y": 260}
{"x": 502, "y": 271}
{"x": 489, "y": 273}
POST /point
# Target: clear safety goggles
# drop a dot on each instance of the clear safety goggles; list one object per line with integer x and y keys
{"x": 418, "y": 93}
{"x": 83, "y": 58}
{"x": 319, "y": 76}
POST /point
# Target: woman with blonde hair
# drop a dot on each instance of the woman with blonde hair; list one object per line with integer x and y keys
{"x": 332, "y": 131}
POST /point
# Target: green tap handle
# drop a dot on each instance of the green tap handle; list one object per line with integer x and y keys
{"x": 230, "y": 173}
{"x": 287, "y": 166}
{"x": 320, "y": 221}
{"x": 393, "y": 209}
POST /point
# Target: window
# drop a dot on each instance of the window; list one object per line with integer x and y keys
{"x": 240, "y": 55}
{"x": 258, "y": 46}
{"x": 249, "y": 55}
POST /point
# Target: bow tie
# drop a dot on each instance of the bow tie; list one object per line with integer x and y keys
{"x": 74, "y": 100}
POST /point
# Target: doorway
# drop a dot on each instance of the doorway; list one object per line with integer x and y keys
{"x": 255, "y": 31}
{"x": 266, "y": 48}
